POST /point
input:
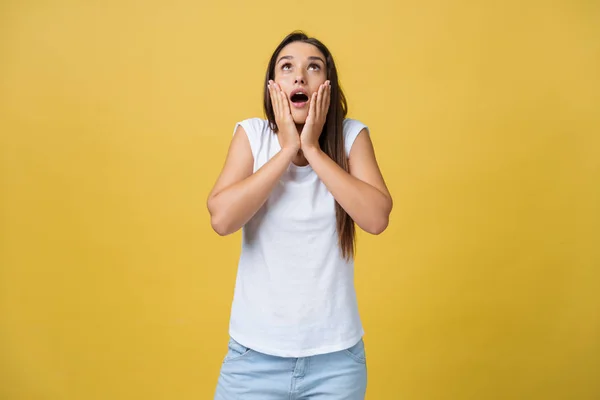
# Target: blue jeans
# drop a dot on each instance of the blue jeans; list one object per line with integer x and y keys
{"x": 249, "y": 375}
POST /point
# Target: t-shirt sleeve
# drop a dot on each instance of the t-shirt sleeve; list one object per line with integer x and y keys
{"x": 352, "y": 128}
{"x": 253, "y": 128}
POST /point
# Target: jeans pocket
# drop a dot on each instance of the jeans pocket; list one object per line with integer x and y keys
{"x": 357, "y": 352}
{"x": 235, "y": 351}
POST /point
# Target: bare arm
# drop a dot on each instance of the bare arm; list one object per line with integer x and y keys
{"x": 238, "y": 193}
{"x": 362, "y": 192}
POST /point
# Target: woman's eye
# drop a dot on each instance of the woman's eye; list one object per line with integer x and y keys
{"x": 315, "y": 67}
{"x": 286, "y": 67}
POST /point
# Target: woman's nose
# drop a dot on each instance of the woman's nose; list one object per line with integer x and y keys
{"x": 299, "y": 79}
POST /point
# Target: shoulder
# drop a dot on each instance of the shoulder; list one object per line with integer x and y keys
{"x": 253, "y": 126}
{"x": 352, "y": 128}
{"x": 351, "y": 124}
{"x": 256, "y": 129}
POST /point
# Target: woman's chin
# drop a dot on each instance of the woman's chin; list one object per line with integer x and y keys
{"x": 299, "y": 117}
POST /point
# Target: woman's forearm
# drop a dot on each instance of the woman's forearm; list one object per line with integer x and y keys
{"x": 232, "y": 207}
{"x": 366, "y": 205}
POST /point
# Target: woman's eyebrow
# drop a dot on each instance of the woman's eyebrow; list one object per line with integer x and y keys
{"x": 284, "y": 58}
{"x": 316, "y": 58}
{"x": 312, "y": 58}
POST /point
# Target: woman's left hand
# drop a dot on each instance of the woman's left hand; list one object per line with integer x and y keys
{"x": 317, "y": 115}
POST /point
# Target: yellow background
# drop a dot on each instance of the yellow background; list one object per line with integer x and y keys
{"x": 115, "y": 117}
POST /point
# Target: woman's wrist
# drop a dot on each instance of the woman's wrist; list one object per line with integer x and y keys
{"x": 311, "y": 150}
{"x": 289, "y": 152}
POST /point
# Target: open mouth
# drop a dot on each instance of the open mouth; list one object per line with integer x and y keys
{"x": 299, "y": 98}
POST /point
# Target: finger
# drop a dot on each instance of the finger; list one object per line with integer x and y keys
{"x": 270, "y": 87}
{"x": 320, "y": 99}
{"x": 327, "y": 97}
{"x": 285, "y": 104}
{"x": 312, "y": 110}
{"x": 286, "y": 108}
{"x": 275, "y": 100}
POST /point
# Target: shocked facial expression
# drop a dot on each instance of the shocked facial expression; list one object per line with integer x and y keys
{"x": 299, "y": 71}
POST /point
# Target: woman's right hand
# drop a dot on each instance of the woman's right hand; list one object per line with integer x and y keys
{"x": 289, "y": 137}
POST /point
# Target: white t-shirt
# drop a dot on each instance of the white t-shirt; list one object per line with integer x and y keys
{"x": 294, "y": 293}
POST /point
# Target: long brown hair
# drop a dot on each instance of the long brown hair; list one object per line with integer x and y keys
{"x": 331, "y": 140}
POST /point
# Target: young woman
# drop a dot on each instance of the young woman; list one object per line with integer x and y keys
{"x": 296, "y": 184}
